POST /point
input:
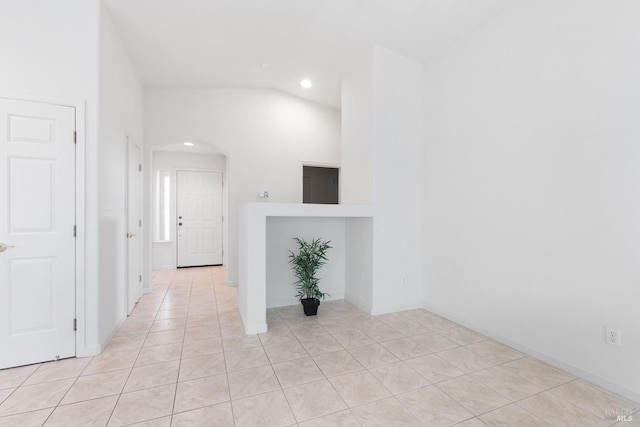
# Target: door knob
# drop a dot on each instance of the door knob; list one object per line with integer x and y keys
{"x": 4, "y": 247}
{"x": 130, "y": 235}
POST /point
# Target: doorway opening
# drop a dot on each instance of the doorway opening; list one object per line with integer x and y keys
{"x": 320, "y": 185}
{"x": 189, "y": 206}
{"x": 133, "y": 209}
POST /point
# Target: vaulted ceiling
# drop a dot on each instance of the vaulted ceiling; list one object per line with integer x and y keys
{"x": 224, "y": 43}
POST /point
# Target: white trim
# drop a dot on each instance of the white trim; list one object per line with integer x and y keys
{"x": 64, "y": 102}
{"x": 376, "y": 311}
{"x": 282, "y": 302}
{"x": 362, "y": 305}
{"x": 320, "y": 165}
{"x": 128, "y": 140}
{"x": 147, "y": 215}
{"x": 93, "y": 350}
{"x": 105, "y": 342}
{"x": 165, "y": 267}
{"x": 232, "y": 283}
{"x": 551, "y": 360}
{"x": 81, "y": 317}
{"x": 126, "y": 228}
{"x": 254, "y": 328}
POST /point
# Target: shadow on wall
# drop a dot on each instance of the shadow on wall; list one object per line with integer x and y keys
{"x": 113, "y": 285}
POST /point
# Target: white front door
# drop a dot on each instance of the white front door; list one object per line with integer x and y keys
{"x": 134, "y": 225}
{"x": 37, "y": 232}
{"x": 199, "y": 218}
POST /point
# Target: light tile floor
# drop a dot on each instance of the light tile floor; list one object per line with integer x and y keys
{"x": 182, "y": 359}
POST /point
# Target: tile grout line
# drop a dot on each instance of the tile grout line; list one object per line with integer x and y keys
{"x": 290, "y": 321}
{"x": 226, "y": 371}
{"x": 175, "y": 392}
{"x": 134, "y": 363}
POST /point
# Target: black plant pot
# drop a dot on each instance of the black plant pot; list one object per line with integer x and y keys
{"x": 310, "y": 306}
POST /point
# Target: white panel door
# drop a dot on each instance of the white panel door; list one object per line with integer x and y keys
{"x": 134, "y": 227}
{"x": 199, "y": 218}
{"x": 37, "y": 242}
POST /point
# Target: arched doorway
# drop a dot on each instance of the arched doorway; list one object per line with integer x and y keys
{"x": 171, "y": 165}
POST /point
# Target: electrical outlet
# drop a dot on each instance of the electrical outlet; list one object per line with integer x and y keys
{"x": 612, "y": 336}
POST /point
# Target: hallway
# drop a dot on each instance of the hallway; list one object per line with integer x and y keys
{"x": 182, "y": 359}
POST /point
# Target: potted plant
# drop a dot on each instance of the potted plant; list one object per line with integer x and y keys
{"x": 310, "y": 257}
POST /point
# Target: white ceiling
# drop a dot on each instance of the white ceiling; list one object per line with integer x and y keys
{"x": 221, "y": 43}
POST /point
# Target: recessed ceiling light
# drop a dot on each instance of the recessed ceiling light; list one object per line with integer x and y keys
{"x": 265, "y": 65}
{"x": 188, "y": 144}
{"x": 306, "y": 83}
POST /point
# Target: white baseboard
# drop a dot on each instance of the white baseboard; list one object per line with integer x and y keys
{"x": 107, "y": 339}
{"x": 232, "y": 283}
{"x": 163, "y": 267}
{"x": 333, "y": 297}
{"x": 284, "y": 302}
{"x": 362, "y": 305}
{"x": 558, "y": 363}
{"x": 376, "y": 311}
{"x": 92, "y": 350}
{"x": 254, "y": 328}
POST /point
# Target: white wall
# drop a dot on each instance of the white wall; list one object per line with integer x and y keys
{"x": 531, "y": 179}
{"x": 50, "y": 50}
{"x": 359, "y": 258}
{"x": 121, "y": 116}
{"x": 164, "y": 253}
{"x": 265, "y": 134}
{"x": 382, "y": 120}
{"x": 356, "y": 173}
{"x": 280, "y": 279}
{"x": 397, "y": 191}
{"x": 67, "y": 51}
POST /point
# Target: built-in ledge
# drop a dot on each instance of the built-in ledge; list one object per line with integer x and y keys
{"x": 266, "y": 233}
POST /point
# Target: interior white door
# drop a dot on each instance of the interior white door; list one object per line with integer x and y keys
{"x": 37, "y": 232}
{"x": 199, "y": 218}
{"x": 134, "y": 224}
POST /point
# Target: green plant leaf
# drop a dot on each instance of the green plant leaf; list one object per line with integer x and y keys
{"x": 311, "y": 256}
